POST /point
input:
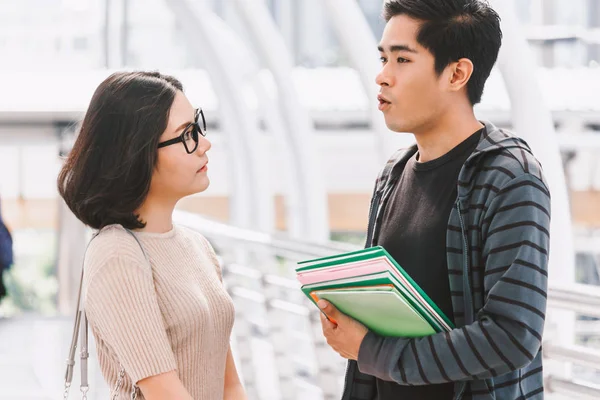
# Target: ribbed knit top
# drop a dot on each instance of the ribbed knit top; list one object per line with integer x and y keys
{"x": 170, "y": 314}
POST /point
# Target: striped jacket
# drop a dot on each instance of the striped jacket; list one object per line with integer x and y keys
{"x": 497, "y": 250}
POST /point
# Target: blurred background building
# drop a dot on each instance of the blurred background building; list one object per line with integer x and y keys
{"x": 311, "y": 170}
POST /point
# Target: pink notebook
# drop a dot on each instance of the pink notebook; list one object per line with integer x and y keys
{"x": 344, "y": 271}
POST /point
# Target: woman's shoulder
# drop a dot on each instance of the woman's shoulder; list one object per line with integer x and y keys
{"x": 113, "y": 237}
{"x": 199, "y": 241}
{"x": 204, "y": 245}
{"x": 112, "y": 244}
{"x": 192, "y": 235}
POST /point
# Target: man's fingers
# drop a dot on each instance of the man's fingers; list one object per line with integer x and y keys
{"x": 327, "y": 324}
{"x": 323, "y": 318}
{"x": 328, "y": 309}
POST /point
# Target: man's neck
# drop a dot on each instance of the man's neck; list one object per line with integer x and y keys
{"x": 445, "y": 134}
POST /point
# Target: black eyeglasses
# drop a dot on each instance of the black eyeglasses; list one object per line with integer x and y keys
{"x": 191, "y": 134}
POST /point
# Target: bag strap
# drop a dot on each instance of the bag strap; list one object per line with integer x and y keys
{"x": 74, "y": 338}
{"x": 81, "y": 327}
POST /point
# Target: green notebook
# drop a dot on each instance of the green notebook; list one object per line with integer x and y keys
{"x": 405, "y": 287}
{"x": 377, "y": 279}
{"x": 381, "y": 309}
{"x": 358, "y": 255}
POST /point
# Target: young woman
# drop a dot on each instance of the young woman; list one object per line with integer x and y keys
{"x": 158, "y": 310}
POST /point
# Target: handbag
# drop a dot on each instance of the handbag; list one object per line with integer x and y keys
{"x": 80, "y": 330}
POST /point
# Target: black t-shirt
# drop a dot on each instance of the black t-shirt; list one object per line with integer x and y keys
{"x": 413, "y": 231}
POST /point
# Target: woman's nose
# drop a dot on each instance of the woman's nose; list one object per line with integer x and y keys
{"x": 204, "y": 145}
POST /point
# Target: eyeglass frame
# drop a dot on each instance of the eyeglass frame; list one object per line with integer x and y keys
{"x": 181, "y": 138}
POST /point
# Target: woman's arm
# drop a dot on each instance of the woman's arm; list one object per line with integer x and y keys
{"x": 233, "y": 387}
{"x": 164, "y": 386}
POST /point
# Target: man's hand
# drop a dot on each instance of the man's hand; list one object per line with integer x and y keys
{"x": 344, "y": 337}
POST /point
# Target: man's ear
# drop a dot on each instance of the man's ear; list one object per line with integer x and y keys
{"x": 458, "y": 74}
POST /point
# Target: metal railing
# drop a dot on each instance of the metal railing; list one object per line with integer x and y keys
{"x": 281, "y": 245}
{"x": 572, "y": 388}
{"x": 583, "y": 299}
{"x": 576, "y": 354}
{"x": 272, "y": 308}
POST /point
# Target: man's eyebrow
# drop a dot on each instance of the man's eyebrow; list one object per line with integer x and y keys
{"x": 397, "y": 47}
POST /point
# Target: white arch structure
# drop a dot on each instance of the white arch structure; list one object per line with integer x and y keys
{"x": 307, "y": 214}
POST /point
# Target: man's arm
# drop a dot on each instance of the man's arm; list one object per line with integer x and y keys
{"x": 507, "y": 332}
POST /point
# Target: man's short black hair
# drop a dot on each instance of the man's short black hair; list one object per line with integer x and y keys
{"x": 455, "y": 29}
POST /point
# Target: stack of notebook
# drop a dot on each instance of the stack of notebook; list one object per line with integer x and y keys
{"x": 369, "y": 286}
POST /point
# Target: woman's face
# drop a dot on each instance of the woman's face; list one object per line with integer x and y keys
{"x": 177, "y": 173}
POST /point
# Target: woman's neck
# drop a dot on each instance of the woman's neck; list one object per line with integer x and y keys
{"x": 157, "y": 214}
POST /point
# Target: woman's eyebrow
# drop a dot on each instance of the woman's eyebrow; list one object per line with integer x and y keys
{"x": 184, "y": 125}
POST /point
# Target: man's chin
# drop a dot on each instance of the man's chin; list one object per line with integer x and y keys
{"x": 397, "y": 126}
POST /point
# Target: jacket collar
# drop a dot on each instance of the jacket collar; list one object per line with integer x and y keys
{"x": 493, "y": 140}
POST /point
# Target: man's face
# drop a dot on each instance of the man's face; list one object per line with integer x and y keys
{"x": 411, "y": 94}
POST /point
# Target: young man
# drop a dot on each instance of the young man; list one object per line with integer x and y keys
{"x": 466, "y": 212}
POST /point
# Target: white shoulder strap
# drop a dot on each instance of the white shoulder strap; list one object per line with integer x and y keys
{"x": 81, "y": 327}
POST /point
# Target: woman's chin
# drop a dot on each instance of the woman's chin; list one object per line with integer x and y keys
{"x": 202, "y": 185}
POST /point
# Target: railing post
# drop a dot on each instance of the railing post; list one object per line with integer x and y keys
{"x": 280, "y": 341}
{"x": 243, "y": 335}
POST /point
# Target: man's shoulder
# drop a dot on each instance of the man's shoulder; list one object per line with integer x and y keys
{"x": 510, "y": 160}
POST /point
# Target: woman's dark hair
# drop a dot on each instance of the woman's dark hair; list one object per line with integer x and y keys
{"x": 455, "y": 29}
{"x": 107, "y": 174}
